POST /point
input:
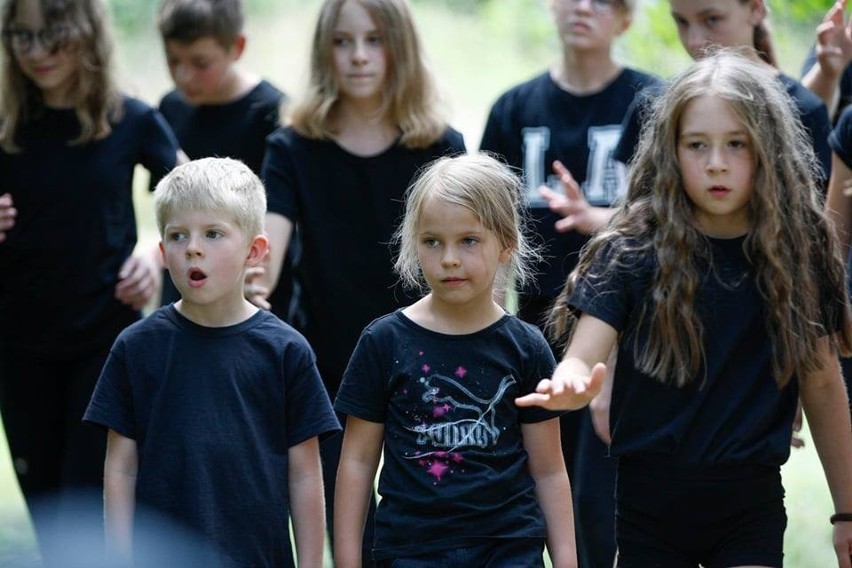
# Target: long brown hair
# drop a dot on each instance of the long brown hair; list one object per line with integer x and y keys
{"x": 97, "y": 101}
{"x": 410, "y": 98}
{"x": 792, "y": 249}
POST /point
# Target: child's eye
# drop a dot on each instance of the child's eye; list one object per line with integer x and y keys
{"x": 680, "y": 22}
{"x": 214, "y": 234}
{"x": 340, "y": 42}
{"x": 468, "y": 241}
{"x": 694, "y": 145}
{"x": 712, "y": 21}
{"x": 374, "y": 40}
{"x": 430, "y": 242}
{"x": 738, "y": 144}
{"x": 175, "y": 236}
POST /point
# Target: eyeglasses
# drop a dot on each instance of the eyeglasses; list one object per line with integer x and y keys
{"x": 52, "y": 39}
{"x": 600, "y": 6}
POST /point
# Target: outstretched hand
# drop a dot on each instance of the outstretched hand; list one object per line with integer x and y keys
{"x": 567, "y": 389}
{"x": 7, "y": 215}
{"x": 577, "y": 214}
{"x": 834, "y": 40}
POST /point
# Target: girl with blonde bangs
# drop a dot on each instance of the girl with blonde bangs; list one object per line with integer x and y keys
{"x": 69, "y": 278}
{"x": 409, "y": 99}
{"x": 97, "y": 100}
{"x": 721, "y": 285}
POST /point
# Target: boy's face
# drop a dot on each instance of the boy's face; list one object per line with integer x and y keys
{"x": 206, "y": 254}
{"x": 203, "y": 69}
{"x": 586, "y": 25}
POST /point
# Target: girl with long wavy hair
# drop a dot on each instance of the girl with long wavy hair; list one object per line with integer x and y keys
{"x": 721, "y": 283}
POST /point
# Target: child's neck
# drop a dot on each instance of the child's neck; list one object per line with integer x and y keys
{"x": 584, "y": 73}
{"x": 239, "y": 84}
{"x": 219, "y": 314}
{"x": 360, "y": 130}
{"x": 452, "y": 319}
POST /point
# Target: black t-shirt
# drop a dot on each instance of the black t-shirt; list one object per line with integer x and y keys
{"x": 234, "y": 130}
{"x": 346, "y": 208}
{"x": 455, "y": 468}
{"x": 810, "y": 108}
{"x": 214, "y": 412}
{"x": 733, "y": 411}
{"x": 75, "y": 227}
{"x": 537, "y": 122}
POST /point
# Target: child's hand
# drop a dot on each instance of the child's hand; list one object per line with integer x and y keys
{"x": 843, "y": 544}
{"x": 7, "y": 215}
{"x": 254, "y": 290}
{"x": 577, "y": 214}
{"x": 834, "y": 40}
{"x": 138, "y": 280}
{"x": 567, "y": 389}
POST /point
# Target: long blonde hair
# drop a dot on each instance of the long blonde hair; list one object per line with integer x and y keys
{"x": 791, "y": 247}
{"x": 410, "y": 99}
{"x": 97, "y": 101}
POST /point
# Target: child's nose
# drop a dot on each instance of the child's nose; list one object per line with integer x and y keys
{"x": 717, "y": 160}
{"x": 450, "y": 257}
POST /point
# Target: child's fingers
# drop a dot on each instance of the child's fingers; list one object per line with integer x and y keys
{"x": 572, "y": 189}
{"x": 533, "y": 399}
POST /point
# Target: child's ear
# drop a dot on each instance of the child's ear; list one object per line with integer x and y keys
{"x": 163, "y": 254}
{"x": 506, "y": 255}
{"x": 258, "y": 249}
{"x": 239, "y": 47}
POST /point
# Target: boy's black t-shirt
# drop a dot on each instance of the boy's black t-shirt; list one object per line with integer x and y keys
{"x": 733, "y": 411}
{"x": 455, "y": 469}
{"x": 75, "y": 227}
{"x": 214, "y": 412}
{"x": 844, "y": 85}
{"x": 346, "y": 208}
{"x": 233, "y": 130}
{"x": 537, "y": 122}
{"x": 811, "y": 110}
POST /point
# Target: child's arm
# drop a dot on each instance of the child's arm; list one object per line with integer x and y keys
{"x": 307, "y": 506}
{"x": 553, "y": 490}
{"x": 580, "y": 374}
{"x": 826, "y": 406}
{"x": 7, "y": 215}
{"x": 120, "y": 468}
{"x": 833, "y": 54}
{"x": 838, "y": 204}
{"x": 359, "y": 459}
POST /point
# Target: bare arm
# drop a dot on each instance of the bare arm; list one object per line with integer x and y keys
{"x": 359, "y": 459}
{"x": 307, "y": 505}
{"x": 833, "y": 54}
{"x": 261, "y": 281}
{"x": 579, "y": 376}
{"x": 553, "y": 489}
{"x": 838, "y": 205}
{"x": 826, "y": 406}
{"x": 120, "y": 469}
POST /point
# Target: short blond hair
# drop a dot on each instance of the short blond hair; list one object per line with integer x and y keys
{"x": 221, "y": 185}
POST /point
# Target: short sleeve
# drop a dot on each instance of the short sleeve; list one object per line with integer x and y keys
{"x": 363, "y": 392}
{"x": 309, "y": 412}
{"x": 541, "y": 366}
{"x": 840, "y": 139}
{"x": 159, "y": 153}
{"x": 111, "y": 405}
{"x": 279, "y": 176}
{"x": 602, "y": 291}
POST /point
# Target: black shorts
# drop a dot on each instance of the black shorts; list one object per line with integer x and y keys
{"x": 718, "y": 516}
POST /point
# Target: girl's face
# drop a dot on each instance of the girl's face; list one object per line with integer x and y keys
{"x": 359, "y": 56}
{"x": 458, "y": 256}
{"x": 589, "y": 24}
{"x": 41, "y": 55}
{"x": 717, "y": 163}
{"x": 726, "y": 23}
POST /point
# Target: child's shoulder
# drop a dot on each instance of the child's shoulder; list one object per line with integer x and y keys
{"x": 530, "y": 88}
{"x": 806, "y": 101}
